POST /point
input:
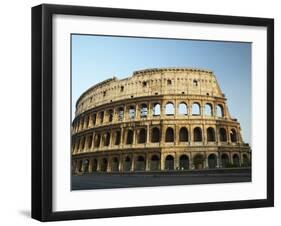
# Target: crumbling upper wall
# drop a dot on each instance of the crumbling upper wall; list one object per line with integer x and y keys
{"x": 150, "y": 82}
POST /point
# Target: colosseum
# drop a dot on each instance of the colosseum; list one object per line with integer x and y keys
{"x": 156, "y": 120}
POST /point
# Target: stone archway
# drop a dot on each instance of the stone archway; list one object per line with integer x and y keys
{"x": 115, "y": 164}
{"x": 184, "y": 162}
{"x": 212, "y": 161}
{"x": 127, "y": 164}
{"x": 198, "y": 161}
{"x": 140, "y": 163}
{"x": 169, "y": 163}
{"x": 224, "y": 160}
{"x": 104, "y": 163}
{"x": 154, "y": 163}
{"x": 86, "y": 165}
{"x": 94, "y": 165}
{"x": 236, "y": 160}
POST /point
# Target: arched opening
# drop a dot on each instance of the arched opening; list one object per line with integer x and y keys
{"x": 220, "y": 111}
{"x": 211, "y": 134}
{"x": 97, "y": 140}
{"x": 183, "y": 109}
{"x": 120, "y": 113}
{"x": 169, "y": 163}
{"x": 233, "y": 136}
{"x": 86, "y": 121}
{"x": 156, "y": 109}
{"x": 94, "y": 165}
{"x": 169, "y": 109}
{"x": 117, "y": 137}
{"x": 198, "y": 161}
{"x": 154, "y": 163}
{"x": 89, "y": 141}
{"x": 208, "y": 110}
{"x": 110, "y": 115}
{"x": 103, "y": 167}
{"x": 184, "y": 162}
{"x": 212, "y": 161}
{"x": 236, "y": 160}
{"x": 130, "y": 135}
{"x": 83, "y": 140}
{"x": 106, "y": 139}
{"x": 77, "y": 144}
{"x": 169, "y": 82}
{"x": 80, "y": 165}
{"x": 143, "y": 111}
{"x": 223, "y": 137}
{"x": 140, "y": 163}
{"x": 169, "y": 137}
{"x": 82, "y": 123}
{"x": 197, "y": 133}
{"x": 132, "y": 112}
{"x": 246, "y": 160}
{"x": 155, "y": 136}
{"x": 86, "y": 164}
{"x": 101, "y": 116}
{"x": 195, "y": 82}
{"x": 183, "y": 135}
{"x": 142, "y": 136}
{"x": 94, "y": 119}
{"x": 127, "y": 164}
{"x": 115, "y": 165}
{"x": 195, "y": 109}
{"x": 224, "y": 160}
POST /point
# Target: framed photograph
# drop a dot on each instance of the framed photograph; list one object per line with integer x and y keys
{"x": 146, "y": 112}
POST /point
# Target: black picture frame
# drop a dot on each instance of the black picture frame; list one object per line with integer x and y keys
{"x": 42, "y": 107}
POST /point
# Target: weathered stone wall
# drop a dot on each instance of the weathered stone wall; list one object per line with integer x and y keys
{"x": 149, "y": 122}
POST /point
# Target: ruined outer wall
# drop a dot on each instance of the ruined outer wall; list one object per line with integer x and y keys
{"x": 103, "y": 124}
{"x": 183, "y": 81}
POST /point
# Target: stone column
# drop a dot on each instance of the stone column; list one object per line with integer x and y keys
{"x": 133, "y": 163}
{"x": 135, "y": 133}
{"x": 176, "y": 135}
{"x": 206, "y": 161}
{"x": 136, "y": 111}
{"x": 99, "y": 160}
{"x": 176, "y": 161}
{"x": 86, "y": 120}
{"x": 228, "y": 135}
{"x": 91, "y": 120}
{"x": 120, "y": 167}
{"x": 202, "y": 109}
{"x": 191, "y": 134}
{"x": 90, "y": 165}
{"x": 147, "y": 134}
{"x": 81, "y": 122}
{"x": 162, "y": 109}
{"x": 109, "y": 164}
{"x": 111, "y": 135}
{"x": 218, "y": 160}
{"x": 190, "y": 161}
{"x": 124, "y": 113}
{"x": 204, "y": 137}
{"x": 162, "y": 162}
{"x": 176, "y": 107}
{"x": 122, "y": 135}
{"x": 218, "y": 135}
{"x": 147, "y": 162}
{"x": 189, "y": 109}
{"x": 93, "y": 141}
{"x": 162, "y": 134}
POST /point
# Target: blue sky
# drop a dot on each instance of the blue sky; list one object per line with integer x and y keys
{"x": 96, "y": 58}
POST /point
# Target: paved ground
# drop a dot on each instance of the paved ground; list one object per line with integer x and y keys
{"x": 117, "y": 180}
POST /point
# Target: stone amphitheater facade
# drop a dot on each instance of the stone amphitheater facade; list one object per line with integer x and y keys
{"x": 157, "y": 119}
